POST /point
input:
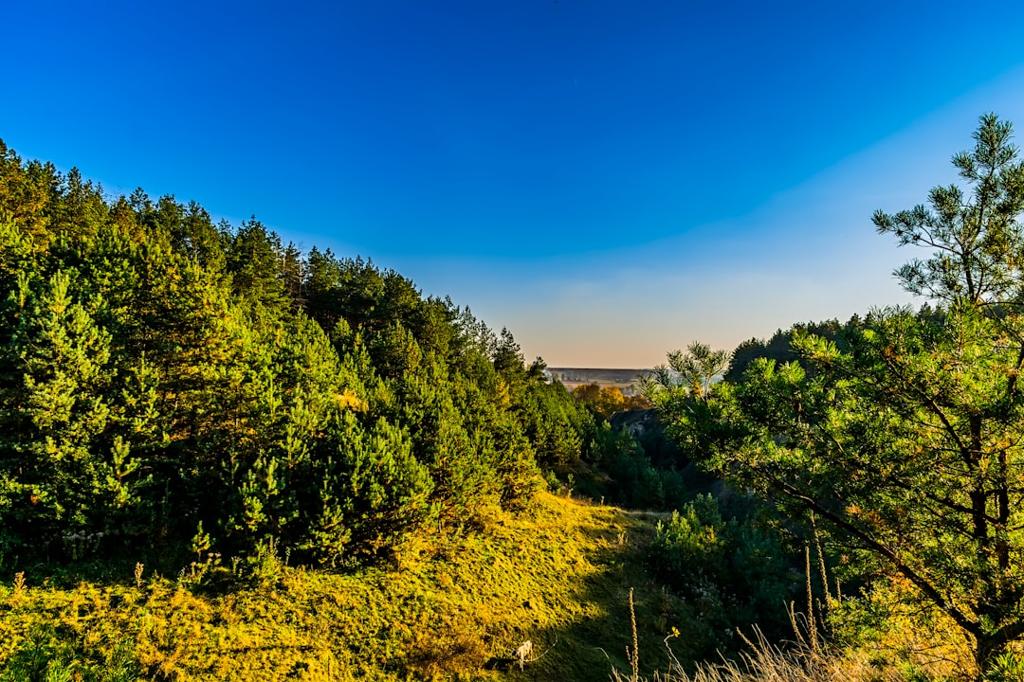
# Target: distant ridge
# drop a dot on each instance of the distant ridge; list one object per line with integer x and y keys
{"x": 624, "y": 379}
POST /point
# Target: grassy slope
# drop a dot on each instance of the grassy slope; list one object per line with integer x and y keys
{"x": 558, "y": 577}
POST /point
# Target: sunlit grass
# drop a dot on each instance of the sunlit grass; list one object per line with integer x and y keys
{"x": 557, "y": 577}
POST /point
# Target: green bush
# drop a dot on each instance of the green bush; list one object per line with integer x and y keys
{"x": 734, "y": 570}
{"x": 49, "y": 655}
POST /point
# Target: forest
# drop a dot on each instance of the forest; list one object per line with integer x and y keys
{"x": 222, "y": 457}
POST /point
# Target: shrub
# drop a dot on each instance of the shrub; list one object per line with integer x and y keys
{"x": 734, "y": 570}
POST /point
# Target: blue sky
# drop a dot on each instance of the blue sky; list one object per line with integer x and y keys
{"x": 609, "y": 179}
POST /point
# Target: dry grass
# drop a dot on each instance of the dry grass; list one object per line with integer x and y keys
{"x": 912, "y": 646}
{"x": 767, "y": 662}
{"x": 804, "y": 659}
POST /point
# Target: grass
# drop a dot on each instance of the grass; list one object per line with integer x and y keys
{"x": 767, "y": 662}
{"x": 458, "y": 610}
{"x": 802, "y": 659}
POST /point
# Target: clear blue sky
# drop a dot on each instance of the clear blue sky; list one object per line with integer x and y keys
{"x": 609, "y": 179}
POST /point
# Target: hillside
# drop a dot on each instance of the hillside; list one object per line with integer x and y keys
{"x": 558, "y": 577}
{"x": 189, "y": 408}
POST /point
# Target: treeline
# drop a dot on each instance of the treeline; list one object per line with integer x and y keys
{"x": 779, "y": 347}
{"x": 895, "y": 440}
{"x": 168, "y": 383}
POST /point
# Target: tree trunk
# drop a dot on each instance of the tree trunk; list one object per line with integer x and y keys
{"x": 986, "y": 650}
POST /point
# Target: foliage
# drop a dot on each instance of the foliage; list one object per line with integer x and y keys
{"x": 47, "y": 655}
{"x": 733, "y": 569}
{"x": 780, "y": 346}
{"x": 160, "y": 373}
{"x": 623, "y": 473}
{"x": 604, "y": 401}
{"x": 903, "y": 434}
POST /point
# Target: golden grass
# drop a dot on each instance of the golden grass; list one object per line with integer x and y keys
{"x": 558, "y": 578}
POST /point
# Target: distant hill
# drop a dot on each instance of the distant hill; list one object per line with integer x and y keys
{"x": 624, "y": 379}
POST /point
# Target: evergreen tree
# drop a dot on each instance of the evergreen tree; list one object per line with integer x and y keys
{"x": 905, "y": 437}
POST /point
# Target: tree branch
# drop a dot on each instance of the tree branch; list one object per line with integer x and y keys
{"x": 907, "y": 571}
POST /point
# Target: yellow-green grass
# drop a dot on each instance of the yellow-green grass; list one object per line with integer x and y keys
{"x": 558, "y": 577}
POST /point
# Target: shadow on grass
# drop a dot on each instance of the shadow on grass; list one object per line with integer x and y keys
{"x": 671, "y": 627}
{"x": 594, "y": 640}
